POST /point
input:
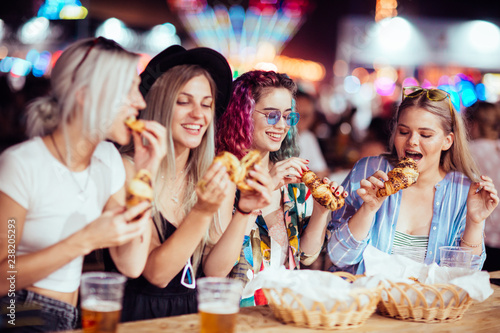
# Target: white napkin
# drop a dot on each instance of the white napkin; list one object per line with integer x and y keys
{"x": 397, "y": 268}
{"x": 311, "y": 285}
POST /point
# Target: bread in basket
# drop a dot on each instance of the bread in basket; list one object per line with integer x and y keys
{"x": 423, "y": 302}
{"x": 289, "y": 308}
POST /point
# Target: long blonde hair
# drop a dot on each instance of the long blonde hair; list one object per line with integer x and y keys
{"x": 161, "y": 100}
{"x": 458, "y": 156}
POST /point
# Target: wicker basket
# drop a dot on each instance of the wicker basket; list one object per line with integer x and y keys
{"x": 445, "y": 302}
{"x": 340, "y": 316}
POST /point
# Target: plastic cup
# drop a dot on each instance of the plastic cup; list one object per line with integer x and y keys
{"x": 218, "y": 304}
{"x": 455, "y": 256}
{"x": 101, "y": 295}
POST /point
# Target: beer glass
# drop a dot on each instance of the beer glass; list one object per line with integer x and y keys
{"x": 218, "y": 303}
{"x": 101, "y": 295}
{"x": 455, "y": 256}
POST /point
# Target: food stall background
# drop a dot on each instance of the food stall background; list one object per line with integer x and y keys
{"x": 353, "y": 56}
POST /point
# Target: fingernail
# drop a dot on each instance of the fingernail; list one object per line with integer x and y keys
{"x": 345, "y": 194}
{"x": 337, "y": 193}
{"x": 307, "y": 161}
{"x": 307, "y": 167}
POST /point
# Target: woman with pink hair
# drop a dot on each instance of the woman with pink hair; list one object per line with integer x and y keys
{"x": 261, "y": 116}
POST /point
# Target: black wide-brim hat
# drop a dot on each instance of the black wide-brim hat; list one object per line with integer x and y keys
{"x": 212, "y": 61}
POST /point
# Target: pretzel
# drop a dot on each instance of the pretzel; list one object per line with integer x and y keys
{"x": 404, "y": 174}
{"x": 321, "y": 192}
{"x": 135, "y": 124}
{"x": 139, "y": 189}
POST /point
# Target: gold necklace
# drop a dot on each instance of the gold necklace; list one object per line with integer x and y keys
{"x": 82, "y": 195}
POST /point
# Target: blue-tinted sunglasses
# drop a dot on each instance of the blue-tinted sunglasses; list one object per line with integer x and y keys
{"x": 274, "y": 117}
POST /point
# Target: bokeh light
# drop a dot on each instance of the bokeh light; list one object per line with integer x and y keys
{"x": 483, "y": 36}
{"x": 34, "y": 31}
{"x": 352, "y": 84}
{"x": 340, "y": 68}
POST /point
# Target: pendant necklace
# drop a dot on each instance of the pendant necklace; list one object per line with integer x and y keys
{"x": 81, "y": 195}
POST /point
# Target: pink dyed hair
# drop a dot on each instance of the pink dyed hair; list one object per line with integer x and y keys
{"x": 234, "y": 131}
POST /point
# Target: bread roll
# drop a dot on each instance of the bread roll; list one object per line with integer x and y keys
{"x": 404, "y": 174}
{"x": 135, "y": 125}
{"x": 139, "y": 189}
{"x": 321, "y": 192}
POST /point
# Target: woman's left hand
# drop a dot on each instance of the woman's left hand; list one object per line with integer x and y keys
{"x": 149, "y": 156}
{"x": 261, "y": 182}
{"x": 481, "y": 200}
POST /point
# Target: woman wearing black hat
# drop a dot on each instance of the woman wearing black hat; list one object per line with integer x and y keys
{"x": 185, "y": 90}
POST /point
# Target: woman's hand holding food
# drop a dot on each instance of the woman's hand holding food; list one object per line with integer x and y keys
{"x": 368, "y": 190}
{"x": 116, "y": 227}
{"x": 212, "y": 189}
{"x": 288, "y": 171}
{"x": 261, "y": 183}
{"x": 149, "y": 155}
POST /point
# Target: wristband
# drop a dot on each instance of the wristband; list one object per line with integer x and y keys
{"x": 241, "y": 211}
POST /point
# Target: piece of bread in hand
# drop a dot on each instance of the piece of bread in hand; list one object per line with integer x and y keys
{"x": 237, "y": 170}
{"x": 135, "y": 124}
{"x": 321, "y": 192}
{"x": 139, "y": 189}
{"x": 232, "y": 164}
{"x": 246, "y": 165}
{"x": 404, "y": 174}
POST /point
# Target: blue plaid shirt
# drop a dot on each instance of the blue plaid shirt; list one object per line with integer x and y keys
{"x": 448, "y": 219}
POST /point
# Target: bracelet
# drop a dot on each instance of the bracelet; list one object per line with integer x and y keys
{"x": 469, "y": 244}
{"x": 241, "y": 211}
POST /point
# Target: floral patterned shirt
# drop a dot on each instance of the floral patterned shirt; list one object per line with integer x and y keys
{"x": 256, "y": 251}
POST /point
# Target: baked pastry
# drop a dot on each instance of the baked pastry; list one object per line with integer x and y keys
{"x": 232, "y": 164}
{"x": 321, "y": 192}
{"x": 135, "y": 124}
{"x": 236, "y": 169}
{"x": 246, "y": 165}
{"x": 404, "y": 174}
{"x": 139, "y": 189}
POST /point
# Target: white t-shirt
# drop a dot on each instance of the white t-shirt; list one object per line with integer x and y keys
{"x": 36, "y": 180}
{"x": 310, "y": 150}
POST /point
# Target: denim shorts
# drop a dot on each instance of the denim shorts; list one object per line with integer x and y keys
{"x": 36, "y": 313}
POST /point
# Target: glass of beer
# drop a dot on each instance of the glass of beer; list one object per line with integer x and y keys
{"x": 218, "y": 303}
{"x": 101, "y": 296}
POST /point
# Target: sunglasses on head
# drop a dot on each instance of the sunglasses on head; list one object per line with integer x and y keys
{"x": 274, "y": 117}
{"x": 432, "y": 94}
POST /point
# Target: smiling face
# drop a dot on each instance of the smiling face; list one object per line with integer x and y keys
{"x": 134, "y": 102}
{"x": 193, "y": 112}
{"x": 420, "y": 136}
{"x": 268, "y": 138}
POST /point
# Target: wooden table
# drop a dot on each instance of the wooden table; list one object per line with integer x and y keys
{"x": 480, "y": 317}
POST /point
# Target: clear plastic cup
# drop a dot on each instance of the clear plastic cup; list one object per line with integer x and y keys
{"x": 101, "y": 296}
{"x": 218, "y": 303}
{"x": 455, "y": 256}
